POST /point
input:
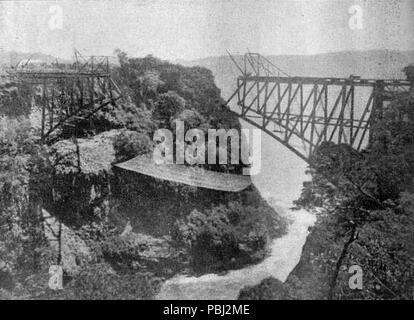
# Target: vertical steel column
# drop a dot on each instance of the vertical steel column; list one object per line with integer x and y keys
{"x": 301, "y": 108}
{"x": 377, "y": 106}
{"x": 287, "y": 111}
{"x": 42, "y": 135}
{"x": 312, "y": 117}
{"x": 341, "y": 115}
{"x": 325, "y": 114}
{"x": 351, "y": 115}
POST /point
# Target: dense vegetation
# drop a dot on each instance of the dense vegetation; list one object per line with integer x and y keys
{"x": 365, "y": 207}
{"x": 117, "y": 234}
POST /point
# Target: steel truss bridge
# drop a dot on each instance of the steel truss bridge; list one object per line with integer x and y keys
{"x": 67, "y": 93}
{"x": 304, "y": 112}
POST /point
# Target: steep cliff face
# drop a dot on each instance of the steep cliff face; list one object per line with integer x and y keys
{"x": 87, "y": 194}
{"x": 158, "y": 221}
{"x": 124, "y": 225}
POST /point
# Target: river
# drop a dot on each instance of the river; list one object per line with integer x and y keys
{"x": 279, "y": 182}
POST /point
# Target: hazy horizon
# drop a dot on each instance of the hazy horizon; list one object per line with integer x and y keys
{"x": 225, "y": 54}
{"x": 195, "y": 30}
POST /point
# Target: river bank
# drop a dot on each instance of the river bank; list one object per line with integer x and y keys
{"x": 284, "y": 254}
{"x": 279, "y": 183}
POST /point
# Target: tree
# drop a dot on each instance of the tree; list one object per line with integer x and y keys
{"x": 129, "y": 144}
{"x": 168, "y": 105}
{"x": 21, "y": 232}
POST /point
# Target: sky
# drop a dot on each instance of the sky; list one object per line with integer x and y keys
{"x": 201, "y": 28}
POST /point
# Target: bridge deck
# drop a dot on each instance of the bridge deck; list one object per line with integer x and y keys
{"x": 355, "y": 81}
{"x": 192, "y": 176}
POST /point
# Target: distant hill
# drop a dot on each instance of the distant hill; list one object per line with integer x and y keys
{"x": 367, "y": 64}
{"x": 9, "y": 58}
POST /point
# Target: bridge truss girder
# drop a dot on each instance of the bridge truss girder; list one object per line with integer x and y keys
{"x": 66, "y": 94}
{"x": 304, "y": 112}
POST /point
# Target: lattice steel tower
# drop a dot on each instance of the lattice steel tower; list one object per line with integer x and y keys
{"x": 67, "y": 93}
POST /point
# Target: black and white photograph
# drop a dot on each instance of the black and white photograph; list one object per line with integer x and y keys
{"x": 206, "y": 150}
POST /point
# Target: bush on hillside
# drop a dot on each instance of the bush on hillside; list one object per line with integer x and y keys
{"x": 129, "y": 144}
{"x": 100, "y": 282}
{"x": 229, "y": 235}
{"x": 168, "y": 105}
{"x": 14, "y": 103}
{"x": 21, "y": 231}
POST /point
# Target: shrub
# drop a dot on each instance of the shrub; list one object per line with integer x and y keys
{"x": 120, "y": 251}
{"x": 20, "y": 226}
{"x": 224, "y": 235}
{"x": 100, "y": 282}
{"x": 129, "y": 144}
{"x": 135, "y": 118}
{"x": 192, "y": 119}
{"x": 268, "y": 289}
{"x": 168, "y": 105}
{"x": 15, "y": 103}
